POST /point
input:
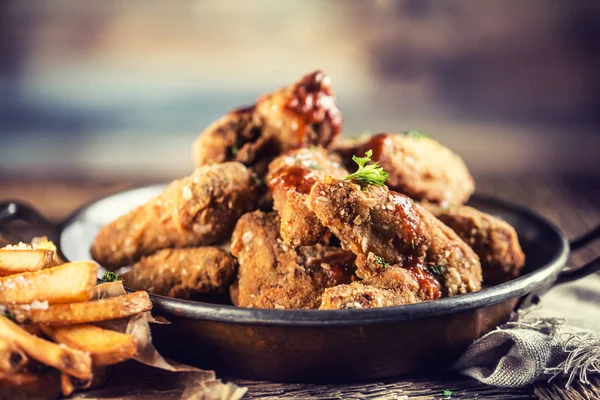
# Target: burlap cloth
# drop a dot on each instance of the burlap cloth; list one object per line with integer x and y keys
{"x": 559, "y": 337}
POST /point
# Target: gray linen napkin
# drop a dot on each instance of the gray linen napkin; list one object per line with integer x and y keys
{"x": 540, "y": 343}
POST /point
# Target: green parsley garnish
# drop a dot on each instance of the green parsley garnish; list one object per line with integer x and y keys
{"x": 109, "y": 276}
{"x": 236, "y": 147}
{"x": 416, "y": 134}
{"x": 438, "y": 269}
{"x": 370, "y": 174}
{"x": 257, "y": 181}
{"x": 379, "y": 260}
{"x": 10, "y": 316}
{"x": 315, "y": 166}
{"x": 447, "y": 393}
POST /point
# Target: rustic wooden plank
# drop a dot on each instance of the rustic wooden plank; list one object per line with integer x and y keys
{"x": 419, "y": 388}
{"x": 578, "y": 391}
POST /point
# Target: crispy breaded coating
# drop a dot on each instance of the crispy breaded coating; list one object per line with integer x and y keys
{"x": 299, "y": 115}
{"x": 183, "y": 273}
{"x": 495, "y": 241}
{"x": 200, "y": 209}
{"x": 272, "y": 274}
{"x": 290, "y": 178}
{"x": 392, "y": 287}
{"x": 347, "y": 146}
{"x": 388, "y": 230}
{"x": 420, "y": 167}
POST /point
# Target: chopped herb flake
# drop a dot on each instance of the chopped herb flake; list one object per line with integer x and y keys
{"x": 447, "y": 393}
{"x": 109, "y": 276}
{"x": 416, "y": 134}
{"x": 10, "y": 316}
{"x": 236, "y": 147}
{"x": 315, "y": 166}
{"x": 379, "y": 260}
{"x": 438, "y": 269}
{"x": 257, "y": 181}
{"x": 370, "y": 174}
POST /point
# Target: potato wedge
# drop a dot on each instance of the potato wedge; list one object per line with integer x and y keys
{"x": 26, "y": 260}
{"x": 29, "y": 386}
{"x": 71, "y": 361}
{"x": 81, "y": 313}
{"x": 105, "y": 346}
{"x": 11, "y": 358}
{"x": 67, "y": 283}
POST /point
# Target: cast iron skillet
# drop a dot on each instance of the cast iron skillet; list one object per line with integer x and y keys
{"x": 338, "y": 345}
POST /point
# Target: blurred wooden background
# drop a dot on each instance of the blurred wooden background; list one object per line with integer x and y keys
{"x": 121, "y": 88}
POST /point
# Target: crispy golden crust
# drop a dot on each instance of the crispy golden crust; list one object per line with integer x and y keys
{"x": 106, "y": 347}
{"x": 12, "y": 359}
{"x": 420, "y": 167}
{"x": 83, "y": 312}
{"x": 272, "y": 274}
{"x": 200, "y": 209}
{"x": 392, "y": 287}
{"x": 71, "y": 282}
{"x": 290, "y": 179}
{"x": 299, "y": 115}
{"x": 494, "y": 240}
{"x": 183, "y": 273}
{"x": 388, "y": 230}
{"x": 71, "y": 361}
{"x": 347, "y": 146}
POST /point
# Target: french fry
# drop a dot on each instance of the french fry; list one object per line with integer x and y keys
{"x": 67, "y": 385}
{"x": 25, "y": 260}
{"x": 70, "y": 384}
{"x": 44, "y": 243}
{"x": 105, "y": 346}
{"x": 71, "y": 361}
{"x": 81, "y": 313}
{"x": 67, "y": 283}
{"x": 29, "y": 386}
{"x": 11, "y": 358}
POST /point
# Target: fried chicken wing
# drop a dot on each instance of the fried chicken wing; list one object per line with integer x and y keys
{"x": 183, "y": 273}
{"x": 388, "y": 230}
{"x": 201, "y": 209}
{"x": 494, "y": 240}
{"x": 392, "y": 287}
{"x": 299, "y": 115}
{"x": 290, "y": 179}
{"x": 272, "y": 274}
{"x": 347, "y": 146}
{"x": 418, "y": 166}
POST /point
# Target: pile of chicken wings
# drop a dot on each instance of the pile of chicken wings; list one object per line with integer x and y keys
{"x": 283, "y": 213}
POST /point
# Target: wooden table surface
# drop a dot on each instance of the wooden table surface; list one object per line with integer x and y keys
{"x": 572, "y": 203}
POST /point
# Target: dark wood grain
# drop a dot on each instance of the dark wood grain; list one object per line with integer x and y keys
{"x": 570, "y": 203}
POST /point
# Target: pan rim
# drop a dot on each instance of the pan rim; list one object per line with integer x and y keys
{"x": 513, "y": 289}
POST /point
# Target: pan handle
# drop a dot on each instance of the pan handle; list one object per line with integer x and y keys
{"x": 572, "y": 274}
{"x": 11, "y": 211}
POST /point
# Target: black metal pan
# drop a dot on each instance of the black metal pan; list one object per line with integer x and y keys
{"x": 328, "y": 346}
